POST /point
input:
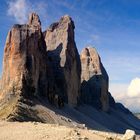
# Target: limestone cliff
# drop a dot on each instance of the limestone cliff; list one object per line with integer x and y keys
{"x": 65, "y": 60}
{"x": 24, "y": 64}
{"x": 94, "y": 80}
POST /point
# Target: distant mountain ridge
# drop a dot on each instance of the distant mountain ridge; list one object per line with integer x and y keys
{"x": 45, "y": 79}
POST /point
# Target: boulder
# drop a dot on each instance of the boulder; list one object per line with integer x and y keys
{"x": 94, "y": 80}
{"x": 129, "y": 135}
{"x": 64, "y": 59}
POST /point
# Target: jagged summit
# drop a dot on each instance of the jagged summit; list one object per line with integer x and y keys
{"x": 64, "y": 21}
{"x": 90, "y": 56}
{"x": 67, "y": 19}
{"x": 34, "y": 20}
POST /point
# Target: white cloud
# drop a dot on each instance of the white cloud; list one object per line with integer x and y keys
{"x": 118, "y": 90}
{"x": 127, "y": 94}
{"x": 20, "y": 9}
{"x": 134, "y": 88}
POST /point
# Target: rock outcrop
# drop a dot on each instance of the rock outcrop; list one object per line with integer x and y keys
{"x": 24, "y": 61}
{"x": 129, "y": 135}
{"x": 35, "y": 66}
{"x": 24, "y": 64}
{"x": 65, "y": 60}
{"x": 94, "y": 80}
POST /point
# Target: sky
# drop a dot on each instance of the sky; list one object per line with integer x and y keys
{"x": 111, "y": 26}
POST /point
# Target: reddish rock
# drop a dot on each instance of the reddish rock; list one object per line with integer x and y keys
{"x": 24, "y": 63}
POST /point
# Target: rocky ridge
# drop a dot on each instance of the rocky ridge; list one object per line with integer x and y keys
{"x": 45, "y": 79}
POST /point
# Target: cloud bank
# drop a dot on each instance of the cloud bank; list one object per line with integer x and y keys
{"x": 134, "y": 88}
{"x": 20, "y": 9}
{"x": 128, "y": 94}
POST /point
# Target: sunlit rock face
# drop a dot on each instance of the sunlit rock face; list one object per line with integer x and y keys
{"x": 42, "y": 73}
{"x": 65, "y": 60}
{"x": 24, "y": 62}
{"x": 94, "y": 80}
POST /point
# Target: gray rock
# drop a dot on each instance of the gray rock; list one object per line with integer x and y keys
{"x": 129, "y": 135}
{"x": 94, "y": 80}
{"x": 65, "y": 60}
{"x": 34, "y": 20}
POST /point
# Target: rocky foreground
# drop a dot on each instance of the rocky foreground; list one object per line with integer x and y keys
{"x": 41, "y": 131}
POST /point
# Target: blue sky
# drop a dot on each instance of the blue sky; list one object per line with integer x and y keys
{"x": 111, "y": 26}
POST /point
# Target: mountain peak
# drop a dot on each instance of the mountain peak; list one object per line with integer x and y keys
{"x": 34, "y": 20}
{"x": 67, "y": 19}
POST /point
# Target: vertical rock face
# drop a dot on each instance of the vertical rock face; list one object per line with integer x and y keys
{"x": 65, "y": 60}
{"x": 94, "y": 80}
{"x": 24, "y": 63}
{"x": 37, "y": 65}
{"x": 34, "y": 20}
